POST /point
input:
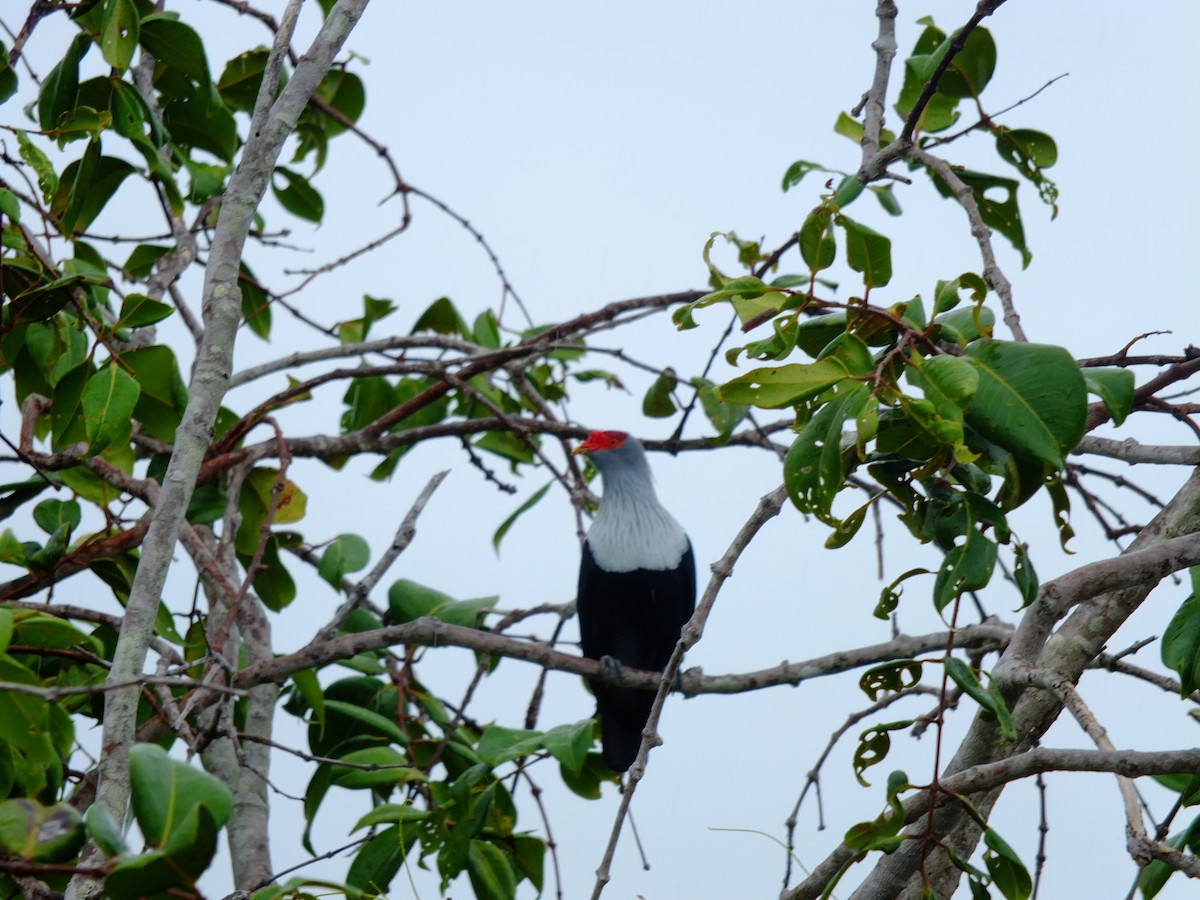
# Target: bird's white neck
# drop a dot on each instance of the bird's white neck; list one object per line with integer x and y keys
{"x": 632, "y": 530}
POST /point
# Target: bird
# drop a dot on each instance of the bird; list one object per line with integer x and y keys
{"x": 637, "y": 588}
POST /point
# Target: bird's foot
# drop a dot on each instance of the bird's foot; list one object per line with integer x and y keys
{"x": 610, "y": 667}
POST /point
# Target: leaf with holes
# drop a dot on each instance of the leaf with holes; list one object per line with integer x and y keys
{"x": 119, "y": 31}
{"x": 873, "y": 747}
{"x": 996, "y": 198}
{"x": 894, "y": 676}
{"x": 813, "y": 469}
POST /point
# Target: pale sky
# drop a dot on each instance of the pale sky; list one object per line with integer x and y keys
{"x": 597, "y": 146}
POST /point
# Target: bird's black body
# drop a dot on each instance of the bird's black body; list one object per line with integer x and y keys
{"x": 637, "y": 588}
{"x": 635, "y": 618}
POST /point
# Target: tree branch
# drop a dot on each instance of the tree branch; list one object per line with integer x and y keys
{"x": 273, "y": 123}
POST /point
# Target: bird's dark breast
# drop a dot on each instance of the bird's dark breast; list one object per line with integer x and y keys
{"x": 635, "y": 617}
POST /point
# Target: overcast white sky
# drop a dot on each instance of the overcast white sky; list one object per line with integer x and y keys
{"x": 597, "y": 146}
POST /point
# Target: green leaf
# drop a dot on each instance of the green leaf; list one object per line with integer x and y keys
{"x": 887, "y": 199}
{"x": 492, "y": 876}
{"x": 867, "y": 251}
{"x": 965, "y": 325}
{"x": 173, "y": 870}
{"x": 972, "y": 67}
{"x": 343, "y": 91}
{"x": 255, "y": 502}
{"x": 51, "y": 514}
{"x": 569, "y": 744}
{"x": 408, "y": 600}
{"x": 873, "y": 747}
{"x": 8, "y": 76}
{"x": 10, "y": 207}
{"x": 498, "y": 744}
{"x": 882, "y": 833}
{"x": 658, "y": 403}
{"x": 1025, "y": 576}
{"x": 256, "y": 303}
{"x": 1181, "y": 641}
{"x": 47, "y": 176}
{"x": 175, "y": 45}
{"x": 377, "y": 863}
{"x": 129, "y": 112}
{"x": 967, "y": 567}
{"x": 240, "y": 81}
{"x": 894, "y": 676}
{"x": 774, "y": 388}
{"x": 138, "y": 310}
{"x": 817, "y": 244}
{"x": 83, "y": 176}
{"x": 119, "y": 31}
{"x": 1031, "y": 400}
{"x": 24, "y": 719}
{"x": 441, "y": 317}
{"x": 1008, "y": 873}
{"x": 61, "y": 86}
{"x": 989, "y": 698}
{"x": 394, "y": 769}
{"x": 273, "y": 583}
{"x": 162, "y": 396}
{"x": 86, "y": 187}
{"x": 813, "y": 470}
{"x": 796, "y": 171}
{"x": 508, "y": 523}
{"x": 195, "y": 118}
{"x": 298, "y": 196}
{"x": 847, "y": 192}
{"x": 165, "y": 791}
{"x": 1114, "y": 387}
{"x": 529, "y": 852}
{"x": 372, "y": 720}
{"x": 1030, "y": 152}
{"x": 108, "y": 401}
{"x": 81, "y": 123}
{"x": 1155, "y": 875}
{"x": 390, "y": 812}
{"x": 1004, "y": 215}
{"x": 853, "y": 129}
{"x": 104, "y": 831}
{"x": 40, "y": 833}
{"x": 889, "y": 597}
{"x": 141, "y": 261}
{"x": 344, "y": 554}
{"x": 724, "y": 417}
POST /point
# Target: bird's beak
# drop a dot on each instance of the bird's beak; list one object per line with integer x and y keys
{"x": 582, "y": 448}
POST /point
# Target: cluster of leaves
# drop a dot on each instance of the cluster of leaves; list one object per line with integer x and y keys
{"x": 440, "y": 787}
{"x": 912, "y": 400}
{"x": 179, "y": 809}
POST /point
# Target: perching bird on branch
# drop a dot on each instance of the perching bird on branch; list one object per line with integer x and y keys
{"x": 637, "y": 588}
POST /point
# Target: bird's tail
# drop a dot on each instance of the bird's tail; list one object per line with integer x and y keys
{"x": 623, "y": 713}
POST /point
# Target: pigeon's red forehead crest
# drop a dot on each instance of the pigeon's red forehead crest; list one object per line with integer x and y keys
{"x": 605, "y": 440}
{"x": 601, "y": 440}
